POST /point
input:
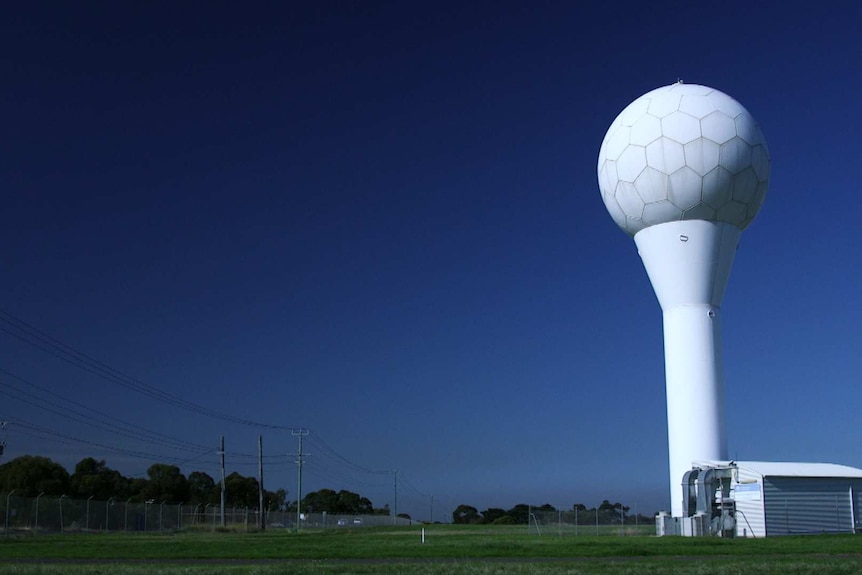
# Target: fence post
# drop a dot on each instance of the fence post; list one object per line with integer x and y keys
{"x": 36, "y": 526}
{"x": 87, "y": 524}
{"x": 60, "y": 501}
{"x": 6, "y": 529}
{"x": 126, "y": 518}
{"x": 107, "y": 511}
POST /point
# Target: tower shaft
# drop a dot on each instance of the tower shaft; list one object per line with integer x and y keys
{"x": 688, "y": 263}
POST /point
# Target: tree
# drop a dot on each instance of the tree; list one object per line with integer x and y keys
{"x": 320, "y": 501}
{"x": 465, "y": 515}
{"x": 520, "y": 513}
{"x": 31, "y": 475}
{"x": 241, "y": 491}
{"x": 353, "y": 503}
{"x": 492, "y": 514}
{"x": 166, "y": 484}
{"x": 277, "y": 500}
{"x": 344, "y": 502}
{"x": 203, "y": 489}
{"x": 94, "y": 478}
{"x": 137, "y": 488}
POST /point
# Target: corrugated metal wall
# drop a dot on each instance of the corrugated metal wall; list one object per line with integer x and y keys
{"x": 857, "y": 508}
{"x": 750, "y": 519}
{"x": 810, "y": 504}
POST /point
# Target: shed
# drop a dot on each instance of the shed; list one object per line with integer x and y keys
{"x": 784, "y": 498}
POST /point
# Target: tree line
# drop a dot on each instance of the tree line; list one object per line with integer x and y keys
{"x": 30, "y": 476}
{"x": 606, "y": 512}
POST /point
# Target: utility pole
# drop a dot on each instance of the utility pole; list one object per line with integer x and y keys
{"x": 395, "y": 504}
{"x": 262, "y": 519}
{"x": 221, "y": 452}
{"x": 300, "y": 433}
{"x": 3, "y": 439}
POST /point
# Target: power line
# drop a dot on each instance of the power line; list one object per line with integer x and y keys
{"x": 103, "y": 420}
{"x": 337, "y": 466}
{"x": 71, "y": 440}
{"x": 318, "y": 441}
{"x": 52, "y": 346}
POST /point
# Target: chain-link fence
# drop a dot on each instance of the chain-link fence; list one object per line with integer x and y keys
{"x": 328, "y": 520}
{"x": 53, "y": 514}
{"x": 617, "y": 522}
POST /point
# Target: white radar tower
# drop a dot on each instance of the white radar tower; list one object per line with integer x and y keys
{"x": 684, "y": 169}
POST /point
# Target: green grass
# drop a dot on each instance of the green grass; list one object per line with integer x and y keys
{"x": 447, "y": 549}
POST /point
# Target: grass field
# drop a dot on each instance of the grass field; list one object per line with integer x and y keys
{"x": 447, "y": 549}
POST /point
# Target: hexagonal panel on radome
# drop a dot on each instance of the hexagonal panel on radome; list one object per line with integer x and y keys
{"x": 633, "y": 111}
{"x": 725, "y": 104}
{"x": 735, "y": 155}
{"x": 748, "y": 130}
{"x": 757, "y": 201}
{"x": 699, "y": 212}
{"x": 717, "y": 187}
{"x": 701, "y": 155}
{"x": 614, "y": 209}
{"x": 760, "y": 162}
{"x": 612, "y": 129}
{"x": 718, "y": 127}
{"x": 684, "y": 188}
{"x": 652, "y": 185}
{"x": 631, "y": 163}
{"x": 665, "y": 155}
{"x": 617, "y": 142}
{"x": 634, "y": 225}
{"x": 680, "y": 127}
{"x": 744, "y": 186}
{"x": 608, "y": 176}
{"x": 692, "y": 89}
{"x": 733, "y": 213}
{"x": 696, "y": 105}
{"x": 663, "y": 104}
{"x": 629, "y": 200}
{"x": 646, "y": 129}
{"x": 661, "y": 212}
{"x": 655, "y": 92}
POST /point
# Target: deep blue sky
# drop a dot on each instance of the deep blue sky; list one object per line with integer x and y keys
{"x": 381, "y": 221}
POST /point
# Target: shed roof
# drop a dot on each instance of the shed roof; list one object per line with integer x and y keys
{"x": 789, "y": 468}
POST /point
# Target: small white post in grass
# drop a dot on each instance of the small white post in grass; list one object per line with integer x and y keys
{"x": 423, "y": 535}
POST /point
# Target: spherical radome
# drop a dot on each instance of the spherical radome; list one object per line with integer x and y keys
{"x": 683, "y": 152}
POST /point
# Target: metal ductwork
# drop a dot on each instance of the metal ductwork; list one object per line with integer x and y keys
{"x": 689, "y": 492}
